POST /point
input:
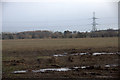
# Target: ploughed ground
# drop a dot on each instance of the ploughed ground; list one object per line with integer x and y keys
{"x": 62, "y": 63}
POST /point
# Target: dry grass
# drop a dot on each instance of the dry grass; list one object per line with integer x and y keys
{"x": 51, "y": 44}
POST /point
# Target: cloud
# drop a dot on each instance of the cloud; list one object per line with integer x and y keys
{"x": 59, "y": 1}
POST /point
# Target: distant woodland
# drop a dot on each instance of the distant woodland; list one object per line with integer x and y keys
{"x": 66, "y": 34}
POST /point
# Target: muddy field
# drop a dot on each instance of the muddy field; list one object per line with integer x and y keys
{"x": 69, "y": 58}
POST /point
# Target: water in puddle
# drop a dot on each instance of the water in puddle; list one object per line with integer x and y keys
{"x": 94, "y": 54}
{"x": 76, "y": 67}
{"x": 103, "y": 76}
{"x": 101, "y": 53}
{"x": 59, "y": 69}
{"x": 79, "y": 54}
{"x": 107, "y": 66}
{"x": 22, "y": 71}
{"x": 57, "y": 55}
{"x": 65, "y": 54}
{"x": 111, "y": 65}
{"x": 114, "y": 65}
{"x": 83, "y": 67}
{"x": 52, "y": 69}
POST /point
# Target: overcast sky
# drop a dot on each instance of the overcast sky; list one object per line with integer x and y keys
{"x": 58, "y": 15}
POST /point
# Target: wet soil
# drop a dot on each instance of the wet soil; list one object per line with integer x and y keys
{"x": 80, "y": 63}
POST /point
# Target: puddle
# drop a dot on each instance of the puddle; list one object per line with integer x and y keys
{"x": 57, "y": 55}
{"x": 75, "y": 54}
{"x": 101, "y": 53}
{"x": 79, "y": 54}
{"x": 63, "y": 69}
{"x": 65, "y": 54}
{"x": 84, "y": 67}
{"x": 52, "y": 69}
{"x": 111, "y": 65}
{"x": 22, "y": 71}
{"x": 104, "y": 76}
{"x": 76, "y": 67}
{"x": 107, "y": 66}
{"x": 114, "y": 65}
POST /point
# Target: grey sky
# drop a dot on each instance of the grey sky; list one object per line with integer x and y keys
{"x": 58, "y": 16}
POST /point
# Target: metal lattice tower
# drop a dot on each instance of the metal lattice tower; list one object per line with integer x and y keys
{"x": 94, "y": 23}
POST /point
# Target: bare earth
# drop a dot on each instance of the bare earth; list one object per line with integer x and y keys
{"x": 75, "y": 54}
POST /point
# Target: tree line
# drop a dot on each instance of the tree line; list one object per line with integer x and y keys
{"x": 66, "y": 34}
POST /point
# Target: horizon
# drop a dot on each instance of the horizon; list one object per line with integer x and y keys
{"x": 62, "y": 31}
{"x": 58, "y": 16}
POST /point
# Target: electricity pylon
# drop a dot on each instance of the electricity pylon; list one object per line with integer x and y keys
{"x": 94, "y": 23}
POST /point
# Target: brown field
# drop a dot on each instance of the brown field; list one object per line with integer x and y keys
{"x": 35, "y": 54}
{"x": 59, "y": 43}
